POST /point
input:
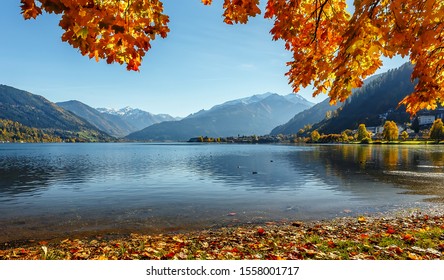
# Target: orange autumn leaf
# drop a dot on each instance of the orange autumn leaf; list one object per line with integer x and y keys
{"x": 409, "y": 238}
{"x": 364, "y": 236}
{"x": 29, "y": 9}
{"x": 331, "y": 244}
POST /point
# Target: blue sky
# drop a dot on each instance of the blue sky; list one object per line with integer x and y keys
{"x": 202, "y": 62}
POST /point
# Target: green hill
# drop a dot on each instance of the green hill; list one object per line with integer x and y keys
{"x": 37, "y": 112}
{"x": 373, "y": 103}
{"x": 11, "y": 131}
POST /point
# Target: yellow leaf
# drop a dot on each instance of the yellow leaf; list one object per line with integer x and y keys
{"x": 413, "y": 256}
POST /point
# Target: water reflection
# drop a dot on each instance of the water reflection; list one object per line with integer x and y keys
{"x": 261, "y": 170}
{"x": 34, "y": 173}
{"x": 383, "y": 158}
{"x": 419, "y": 169}
{"x": 63, "y": 187}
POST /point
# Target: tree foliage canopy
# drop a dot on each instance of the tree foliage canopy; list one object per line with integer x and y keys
{"x": 437, "y": 130}
{"x": 332, "y": 49}
{"x": 315, "y": 136}
{"x": 362, "y": 133}
{"x": 390, "y": 131}
{"x": 404, "y": 135}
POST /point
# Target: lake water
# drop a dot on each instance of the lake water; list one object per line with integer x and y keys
{"x": 54, "y": 190}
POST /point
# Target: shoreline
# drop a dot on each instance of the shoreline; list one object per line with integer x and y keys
{"x": 403, "y": 234}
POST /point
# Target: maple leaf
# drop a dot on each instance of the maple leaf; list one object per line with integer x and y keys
{"x": 29, "y": 9}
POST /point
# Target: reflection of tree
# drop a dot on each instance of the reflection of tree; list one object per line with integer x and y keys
{"x": 437, "y": 158}
{"x": 403, "y": 166}
{"x": 405, "y": 156}
{"x": 364, "y": 154}
{"x": 390, "y": 157}
{"x": 250, "y": 166}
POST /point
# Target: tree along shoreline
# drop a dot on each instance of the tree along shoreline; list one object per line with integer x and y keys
{"x": 389, "y": 134}
{"x": 290, "y": 139}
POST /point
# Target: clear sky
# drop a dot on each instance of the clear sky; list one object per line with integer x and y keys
{"x": 202, "y": 62}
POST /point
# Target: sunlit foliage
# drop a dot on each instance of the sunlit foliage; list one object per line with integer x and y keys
{"x": 391, "y": 131}
{"x": 437, "y": 130}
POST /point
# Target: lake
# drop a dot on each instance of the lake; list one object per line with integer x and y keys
{"x": 59, "y": 190}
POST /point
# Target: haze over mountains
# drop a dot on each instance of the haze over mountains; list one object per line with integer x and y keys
{"x": 247, "y": 116}
{"x": 117, "y": 123}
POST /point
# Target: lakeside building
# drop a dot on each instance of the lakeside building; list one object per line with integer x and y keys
{"x": 428, "y": 117}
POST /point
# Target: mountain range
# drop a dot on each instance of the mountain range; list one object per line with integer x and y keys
{"x": 257, "y": 115}
{"x": 117, "y": 123}
{"x": 36, "y": 111}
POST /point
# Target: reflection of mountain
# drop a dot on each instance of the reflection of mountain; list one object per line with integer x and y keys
{"x": 306, "y": 169}
{"x": 25, "y": 173}
{"x": 17, "y": 180}
{"x": 259, "y": 169}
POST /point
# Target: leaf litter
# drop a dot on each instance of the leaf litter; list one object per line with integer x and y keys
{"x": 415, "y": 236}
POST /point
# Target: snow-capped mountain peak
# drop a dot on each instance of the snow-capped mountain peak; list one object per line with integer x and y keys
{"x": 126, "y": 111}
